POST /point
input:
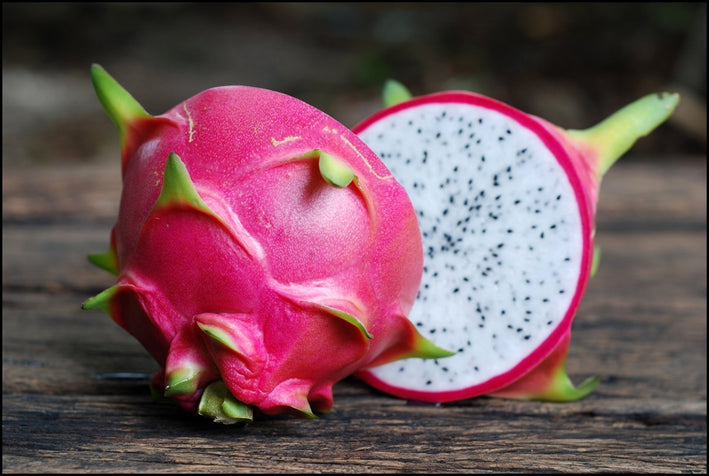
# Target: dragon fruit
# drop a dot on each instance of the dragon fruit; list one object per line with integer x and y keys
{"x": 262, "y": 252}
{"x": 506, "y": 203}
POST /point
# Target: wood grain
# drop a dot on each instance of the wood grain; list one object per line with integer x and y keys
{"x": 75, "y": 395}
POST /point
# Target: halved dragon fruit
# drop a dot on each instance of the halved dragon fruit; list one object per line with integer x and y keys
{"x": 506, "y": 203}
{"x": 263, "y": 251}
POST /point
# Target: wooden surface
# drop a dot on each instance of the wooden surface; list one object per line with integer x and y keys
{"x": 75, "y": 392}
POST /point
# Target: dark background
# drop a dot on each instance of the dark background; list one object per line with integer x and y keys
{"x": 572, "y": 63}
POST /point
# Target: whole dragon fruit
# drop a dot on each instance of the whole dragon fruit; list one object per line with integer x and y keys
{"x": 263, "y": 252}
{"x": 506, "y": 203}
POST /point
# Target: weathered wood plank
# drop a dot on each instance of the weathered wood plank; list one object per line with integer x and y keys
{"x": 482, "y": 435}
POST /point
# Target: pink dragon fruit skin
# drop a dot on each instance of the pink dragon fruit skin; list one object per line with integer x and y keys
{"x": 263, "y": 252}
{"x": 585, "y": 156}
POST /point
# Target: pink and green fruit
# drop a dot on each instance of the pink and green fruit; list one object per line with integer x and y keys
{"x": 506, "y": 203}
{"x": 263, "y": 252}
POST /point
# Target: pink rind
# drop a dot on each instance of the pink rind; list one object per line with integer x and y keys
{"x": 582, "y": 198}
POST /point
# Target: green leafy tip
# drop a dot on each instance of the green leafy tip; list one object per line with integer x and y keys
{"x": 182, "y": 381}
{"x": 107, "y": 261}
{"x": 613, "y": 136}
{"x": 218, "y": 403}
{"x": 177, "y": 186}
{"x": 596, "y": 260}
{"x": 394, "y": 92}
{"x": 425, "y": 349}
{"x": 334, "y": 171}
{"x": 102, "y": 300}
{"x": 349, "y": 318}
{"x": 118, "y": 103}
{"x": 220, "y": 335}
{"x": 563, "y": 390}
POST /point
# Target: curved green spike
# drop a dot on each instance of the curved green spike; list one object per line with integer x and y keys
{"x": 548, "y": 381}
{"x": 118, "y": 103}
{"x": 425, "y": 349}
{"x": 613, "y": 136}
{"x": 221, "y": 336}
{"x": 101, "y": 300}
{"x": 177, "y": 186}
{"x": 334, "y": 171}
{"x": 108, "y": 261}
{"x": 596, "y": 260}
{"x": 394, "y": 92}
{"x": 563, "y": 390}
{"x": 304, "y": 408}
{"x": 182, "y": 381}
{"x": 218, "y": 403}
{"x": 349, "y": 318}
{"x": 559, "y": 389}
